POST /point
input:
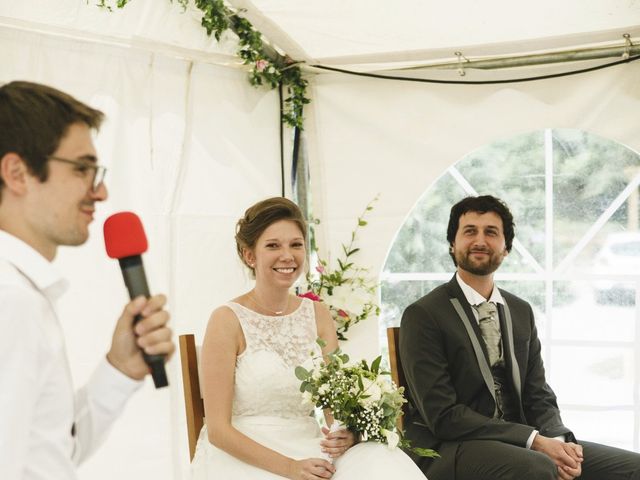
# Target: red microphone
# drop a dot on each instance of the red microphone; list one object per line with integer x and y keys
{"x": 125, "y": 240}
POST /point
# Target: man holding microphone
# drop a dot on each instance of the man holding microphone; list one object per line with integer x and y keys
{"x": 50, "y": 183}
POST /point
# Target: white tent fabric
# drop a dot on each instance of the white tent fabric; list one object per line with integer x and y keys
{"x": 335, "y": 32}
{"x": 145, "y": 25}
{"x": 189, "y": 144}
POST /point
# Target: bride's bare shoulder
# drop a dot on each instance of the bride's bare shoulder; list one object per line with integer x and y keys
{"x": 223, "y": 317}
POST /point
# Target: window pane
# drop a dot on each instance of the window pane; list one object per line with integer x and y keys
{"x": 595, "y": 426}
{"x": 531, "y": 291}
{"x": 398, "y": 295}
{"x": 421, "y": 244}
{"x": 589, "y": 173}
{"x": 579, "y": 312}
{"x": 592, "y": 375}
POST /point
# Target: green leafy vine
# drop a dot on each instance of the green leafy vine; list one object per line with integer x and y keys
{"x": 268, "y": 68}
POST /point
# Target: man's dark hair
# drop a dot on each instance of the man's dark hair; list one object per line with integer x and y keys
{"x": 33, "y": 120}
{"x": 481, "y": 204}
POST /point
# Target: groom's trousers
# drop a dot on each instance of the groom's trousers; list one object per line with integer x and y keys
{"x": 491, "y": 460}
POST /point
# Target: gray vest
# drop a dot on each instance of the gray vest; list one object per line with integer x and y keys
{"x": 506, "y": 398}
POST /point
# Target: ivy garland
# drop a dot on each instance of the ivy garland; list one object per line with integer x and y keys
{"x": 266, "y": 69}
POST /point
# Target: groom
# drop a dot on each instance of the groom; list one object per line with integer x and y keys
{"x": 477, "y": 386}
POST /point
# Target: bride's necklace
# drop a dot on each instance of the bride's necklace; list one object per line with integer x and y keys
{"x": 275, "y": 312}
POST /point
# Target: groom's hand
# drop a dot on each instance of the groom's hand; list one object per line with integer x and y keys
{"x": 336, "y": 443}
{"x": 574, "y": 451}
{"x": 567, "y": 458}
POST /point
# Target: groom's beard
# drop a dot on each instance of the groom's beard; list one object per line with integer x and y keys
{"x": 485, "y": 266}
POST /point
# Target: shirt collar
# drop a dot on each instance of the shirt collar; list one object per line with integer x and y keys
{"x": 474, "y": 298}
{"x": 32, "y": 265}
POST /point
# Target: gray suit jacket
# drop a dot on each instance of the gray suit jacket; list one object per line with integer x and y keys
{"x": 450, "y": 384}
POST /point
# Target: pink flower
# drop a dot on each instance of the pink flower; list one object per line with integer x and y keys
{"x": 320, "y": 269}
{"x": 310, "y": 295}
{"x": 261, "y": 65}
{"x": 343, "y": 314}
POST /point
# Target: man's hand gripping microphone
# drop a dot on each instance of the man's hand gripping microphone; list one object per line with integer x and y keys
{"x": 125, "y": 240}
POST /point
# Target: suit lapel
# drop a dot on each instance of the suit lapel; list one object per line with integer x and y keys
{"x": 507, "y": 342}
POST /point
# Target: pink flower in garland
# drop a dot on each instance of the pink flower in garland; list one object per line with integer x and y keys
{"x": 320, "y": 269}
{"x": 343, "y": 314}
{"x": 310, "y": 295}
{"x": 261, "y": 65}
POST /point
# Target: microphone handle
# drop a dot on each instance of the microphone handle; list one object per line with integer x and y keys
{"x": 136, "y": 282}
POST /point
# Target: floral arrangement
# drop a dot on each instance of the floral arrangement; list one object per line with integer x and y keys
{"x": 267, "y": 67}
{"x": 359, "y": 398}
{"x": 346, "y": 290}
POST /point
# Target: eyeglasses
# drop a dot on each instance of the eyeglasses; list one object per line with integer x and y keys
{"x": 95, "y": 172}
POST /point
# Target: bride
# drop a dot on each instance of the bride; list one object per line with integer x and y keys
{"x": 257, "y": 427}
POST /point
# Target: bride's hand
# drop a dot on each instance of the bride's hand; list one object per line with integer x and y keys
{"x": 310, "y": 469}
{"x": 336, "y": 443}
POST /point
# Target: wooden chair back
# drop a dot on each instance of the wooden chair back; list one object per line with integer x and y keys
{"x": 193, "y": 403}
{"x": 397, "y": 374}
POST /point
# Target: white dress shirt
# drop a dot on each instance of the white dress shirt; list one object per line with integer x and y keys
{"x": 475, "y": 299}
{"x": 38, "y": 408}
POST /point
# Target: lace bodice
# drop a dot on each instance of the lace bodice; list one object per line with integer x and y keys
{"x": 265, "y": 381}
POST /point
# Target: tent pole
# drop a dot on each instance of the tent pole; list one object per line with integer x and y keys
{"x": 536, "y": 59}
{"x": 543, "y": 59}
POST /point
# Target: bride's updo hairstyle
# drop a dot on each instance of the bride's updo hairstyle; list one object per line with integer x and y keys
{"x": 260, "y": 216}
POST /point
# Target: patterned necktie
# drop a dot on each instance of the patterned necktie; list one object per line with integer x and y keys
{"x": 490, "y": 328}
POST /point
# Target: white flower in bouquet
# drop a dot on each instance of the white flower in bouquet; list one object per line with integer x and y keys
{"x": 385, "y": 385}
{"x": 393, "y": 439}
{"x": 307, "y": 398}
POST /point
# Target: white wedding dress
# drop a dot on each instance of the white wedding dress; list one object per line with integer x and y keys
{"x": 268, "y": 406}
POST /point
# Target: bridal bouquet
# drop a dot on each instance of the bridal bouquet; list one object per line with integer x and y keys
{"x": 359, "y": 398}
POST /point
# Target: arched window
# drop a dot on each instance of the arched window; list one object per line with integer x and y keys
{"x": 576, "y": 259}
